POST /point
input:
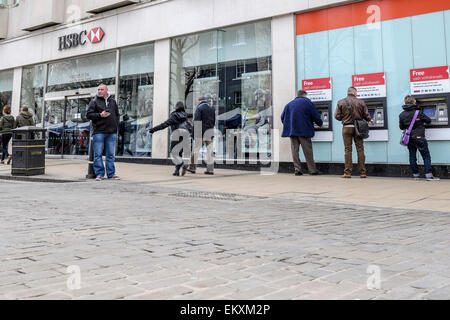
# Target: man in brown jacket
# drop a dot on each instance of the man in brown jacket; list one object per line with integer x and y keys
{"x": 344, "y": 114}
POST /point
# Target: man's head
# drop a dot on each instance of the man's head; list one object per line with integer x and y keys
{"x": 352, "y": 91}
{"x": 102, "y": 90}
{"x": 410, "y": 100}
{"x": 25, "y": 109}
{"x": 202, "y": 99}
{"x": 302, "y": 93}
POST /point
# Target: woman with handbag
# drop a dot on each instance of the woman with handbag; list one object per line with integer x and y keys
{"x": 7, "y": 124}
{"x": 413, "y": 121}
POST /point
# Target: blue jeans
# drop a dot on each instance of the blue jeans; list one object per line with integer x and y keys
{"x": 420, "y": 144}
{"x": 106, "y": 141}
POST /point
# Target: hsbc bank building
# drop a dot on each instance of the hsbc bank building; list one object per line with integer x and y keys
{"x": 248, "y": 57}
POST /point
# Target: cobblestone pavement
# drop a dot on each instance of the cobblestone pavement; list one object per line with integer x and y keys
{"x": 141, "y": 241}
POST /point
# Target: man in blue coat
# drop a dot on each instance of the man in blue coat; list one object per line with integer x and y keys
{"x": 298, "y": 120}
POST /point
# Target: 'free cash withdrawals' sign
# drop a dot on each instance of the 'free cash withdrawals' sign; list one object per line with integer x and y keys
{"x": 371, "y": 85}
{"x": 430, "y": 80}
{"x": 318, "y": 89}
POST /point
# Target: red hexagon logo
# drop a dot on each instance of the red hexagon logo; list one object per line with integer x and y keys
{"x": 96, "y": 35}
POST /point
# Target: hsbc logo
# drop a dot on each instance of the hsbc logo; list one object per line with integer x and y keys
{"x": 96, "y": 35}
{"x": 76, "y": 39}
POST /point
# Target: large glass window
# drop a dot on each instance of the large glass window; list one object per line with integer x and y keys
{"x": 68, "y": 127}
{"x": 86, "y": 72}
{"x": 6, "y": 86}
{"x": 136, "y": 101}
{"x": 232, "y": 68}
{"x": 32, "y": 94}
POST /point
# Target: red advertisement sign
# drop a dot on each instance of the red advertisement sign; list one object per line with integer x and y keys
{"x": 371, "y": 85}
{"x": 430, "y": 80}
{"x": 318, "y": 89}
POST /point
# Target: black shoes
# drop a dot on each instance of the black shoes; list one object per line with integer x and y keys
{"x": 316, "y": 173}
{"x": 209, "y": 173}
{"x": 190, "y": 170}
{"x": 183, "y": 170}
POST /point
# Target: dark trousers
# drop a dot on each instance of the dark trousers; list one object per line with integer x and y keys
{"x": 420, "y": 144}
{"x": 307, "y": 151}
{"x": 348, "y": 133}
{"x": 6, "y": 137}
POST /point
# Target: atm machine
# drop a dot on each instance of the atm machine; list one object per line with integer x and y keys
{"x": 436, "y": 108}
{"x": 378, "y": 113}
{"x": 324, "y": 108}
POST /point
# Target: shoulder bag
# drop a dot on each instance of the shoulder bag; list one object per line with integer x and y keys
{"x": 361, "y": 126}
{"x": 406, "y": 133}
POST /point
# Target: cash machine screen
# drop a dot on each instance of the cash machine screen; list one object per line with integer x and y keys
{"x": 376, "y": 112}
{"x": 325, "y": 116}
{"x": 430, "y": 112}
{"x": 436, "y": 109}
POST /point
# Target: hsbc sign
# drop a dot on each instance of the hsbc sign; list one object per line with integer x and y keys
{"x": 79, "y": 39}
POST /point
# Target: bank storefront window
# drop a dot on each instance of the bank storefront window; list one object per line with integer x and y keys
{"x": 136, "y": 101}
{"x": 232, "y": 68}
{"x": 32, "y": 93}
{"x": 85, "y": 72}
{"x": 71, "y": 85}
{"x": 6, "y": 85}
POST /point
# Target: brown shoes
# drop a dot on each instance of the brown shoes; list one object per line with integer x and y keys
{"x": 363, "y": 176}
{"x": 346, "y": 176}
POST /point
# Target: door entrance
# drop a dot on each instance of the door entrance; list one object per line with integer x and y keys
{"x": 68, "y": 129}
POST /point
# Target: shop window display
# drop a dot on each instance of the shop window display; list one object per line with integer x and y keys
{"x": 6, "y": 84}
{"x": 68, "y": 128}
{"x": 235, "y": 76}
{"x": 32, "y": 93}
{"x": 136, "y": 101}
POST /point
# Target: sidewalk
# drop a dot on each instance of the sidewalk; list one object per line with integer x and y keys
{"x": 401, "y": 193}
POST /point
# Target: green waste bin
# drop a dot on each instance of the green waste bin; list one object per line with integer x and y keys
{"x": 28, "y": 151}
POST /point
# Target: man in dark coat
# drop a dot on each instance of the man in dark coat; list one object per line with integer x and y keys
{"x": 298, "y": 120}
{"x": 206, "y": 115}
{"x": 104, "y": 113}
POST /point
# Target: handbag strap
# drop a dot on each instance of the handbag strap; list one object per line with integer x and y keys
{"x": 350, "y": 108}
{"x": 412, "y": 122}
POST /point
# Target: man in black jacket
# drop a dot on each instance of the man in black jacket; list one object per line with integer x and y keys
{"x": 205, "y": 115}
{"x": 417, "y": 140}
{"x": 104, "y": 113}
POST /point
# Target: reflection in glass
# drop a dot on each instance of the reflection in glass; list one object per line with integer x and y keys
{"x": 86, "y": 72}
{"x": 136, "y": 101}
{"x": 72, "y": 138}
{"x": 68, "y": 129}
{"x": 235, "y": 76}
{"x": 6, "y": 85}
{"x": 32, "y": 94}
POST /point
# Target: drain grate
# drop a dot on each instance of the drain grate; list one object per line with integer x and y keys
{"x": 215, "y": 196}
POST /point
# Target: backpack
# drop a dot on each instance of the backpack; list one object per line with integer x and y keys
{"x": 361, "y": 126}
